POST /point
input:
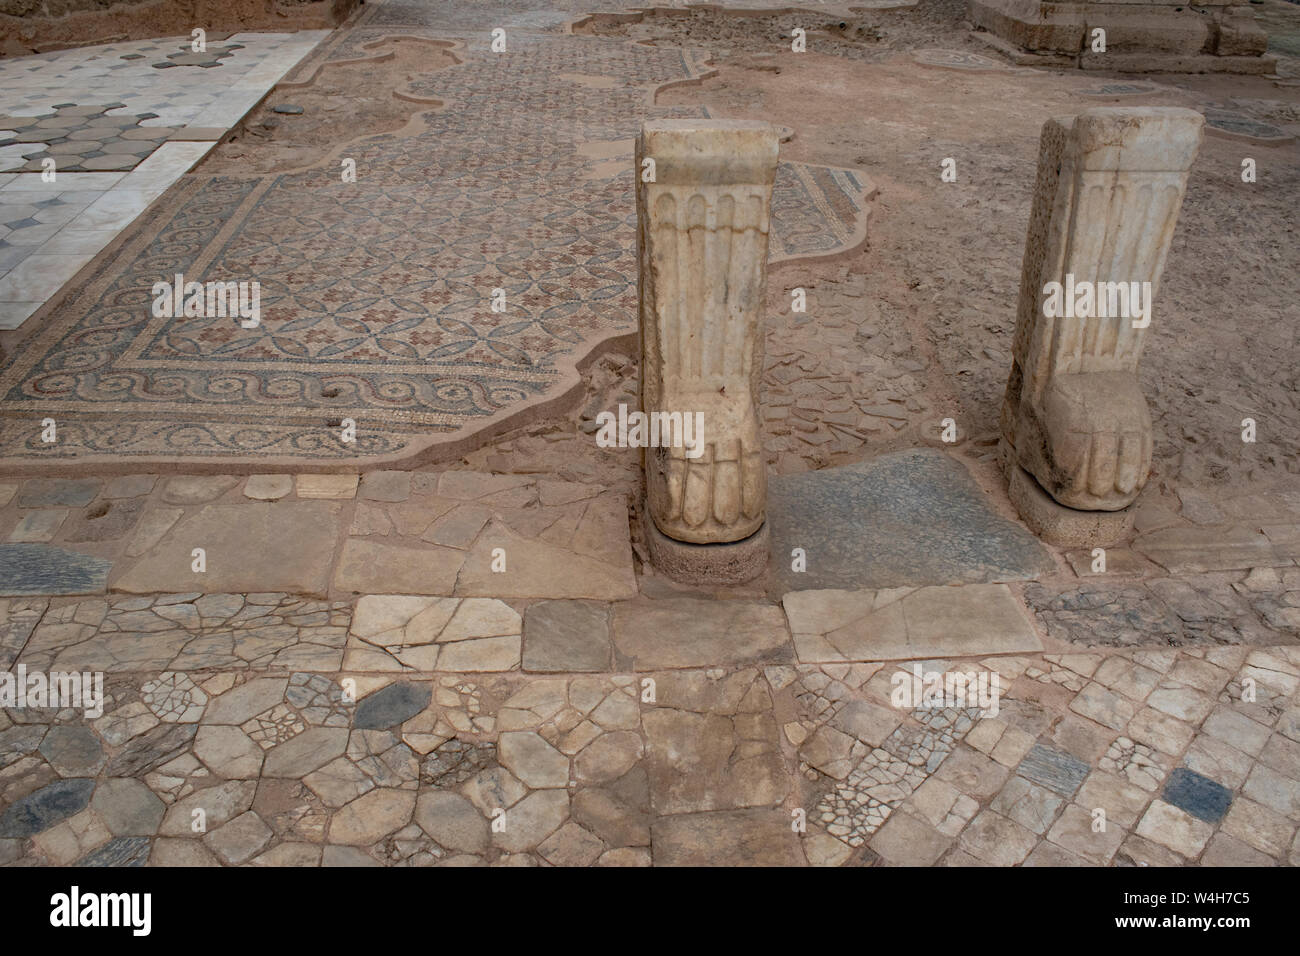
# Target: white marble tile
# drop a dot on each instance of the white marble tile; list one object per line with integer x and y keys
{"x": 38, "y": 277}
{"x": 71, "y": 241}
{"x": 117, "y": 208}
{"x": 14, "y": 314}
{"x": 171, "y": 160}
{"x": 64, "y": 181}
{"x": 33, "y": 235}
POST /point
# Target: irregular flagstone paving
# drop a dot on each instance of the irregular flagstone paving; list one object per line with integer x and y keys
{"x": 634, "y": 726}
{"x": 399, "y": 338}
{"x": 666, "y": 767}
{"x": 461, "y": 668}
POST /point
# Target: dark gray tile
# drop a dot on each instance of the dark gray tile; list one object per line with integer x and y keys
{"x": 1200, "y": 796}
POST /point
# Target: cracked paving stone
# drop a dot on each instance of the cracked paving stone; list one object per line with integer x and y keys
{"x": 371, "y": 817}
{"x": 727, "y": 838}
{"x": 151, "y": 750}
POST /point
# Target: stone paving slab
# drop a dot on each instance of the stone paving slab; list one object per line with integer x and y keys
{"x": 188, "y": 632}
{"x": 1258, "y": 607}
{"x": 28, "y": 568}
{"x": 908, "y": 518}
{"x": 287, "y": 546}
{"x": 652, "y": 635}
{"x": 696, "y": 767}
{"x": 908, "y": 623}
{"x": 475, "y": 535}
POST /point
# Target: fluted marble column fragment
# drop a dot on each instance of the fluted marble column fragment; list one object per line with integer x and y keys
{"x": 1110, "y": 184}
{"x": 702, "y": 242}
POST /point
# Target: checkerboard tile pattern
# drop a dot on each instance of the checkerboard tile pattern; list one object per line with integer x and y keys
{"x": 121, "y": 122}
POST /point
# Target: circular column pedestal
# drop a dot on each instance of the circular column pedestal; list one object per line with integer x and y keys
{"x": 733, "y": 563}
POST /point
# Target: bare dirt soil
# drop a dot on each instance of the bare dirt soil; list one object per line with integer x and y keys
{"x": 943, "y": 259}
{"x": 341, "y": 103}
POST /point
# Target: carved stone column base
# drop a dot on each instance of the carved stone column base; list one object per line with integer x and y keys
{"x": 732, "y": 563}
{"x": 1057, "y": 524}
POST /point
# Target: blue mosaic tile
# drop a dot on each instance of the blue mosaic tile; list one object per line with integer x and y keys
{"x": 1200, "y": 796}
{"x": 1054, "y": 769}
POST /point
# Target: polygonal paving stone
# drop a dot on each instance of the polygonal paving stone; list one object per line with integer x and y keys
{"x": 371, "y": 817}
{"x": 122, "y": 852}
{"x": 452, "y": 821}
{"x": 392, "y": 705}
{"x": 310, "y": 750}
{"x": 128, "y": 807}
{"x": 49, "y": 805}
{"x": 534, "y": 761}
{"x": 73, "y": 751}
{"x": 239, "y": 840}
{"x": 109, "y": 163}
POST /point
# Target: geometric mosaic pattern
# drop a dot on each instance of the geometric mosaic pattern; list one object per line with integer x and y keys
{"x": 83, "y": 138}
{"x": 374, "y": 294}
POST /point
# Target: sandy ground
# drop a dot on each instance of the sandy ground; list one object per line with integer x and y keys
{"x": 342, "y": 102}
{"x": 943, "y": 260}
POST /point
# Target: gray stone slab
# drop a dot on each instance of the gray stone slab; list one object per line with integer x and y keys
{"x": 1198, "y": 795}
{"x": 564, "y": 636}
{"x": 251, "y": 546}
{"x": 54, "y": 803}
{"x": 72, "y": 751}
{"x": 42, "y": 569}
{"x": 905, "y": 519}
{"x": 57, "y": 492}
{"x": 106, "y": 522}
{"x": 392, "y": 705}
{"x": 124, "y": 851}
{"x": 1054, "y": 769}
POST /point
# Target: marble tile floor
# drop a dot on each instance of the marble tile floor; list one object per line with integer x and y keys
{"x": 142, "y": 114}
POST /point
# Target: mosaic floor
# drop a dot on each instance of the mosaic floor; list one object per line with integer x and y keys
{"x": 374, "y": 293}
{"x": 149, "y": 109}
